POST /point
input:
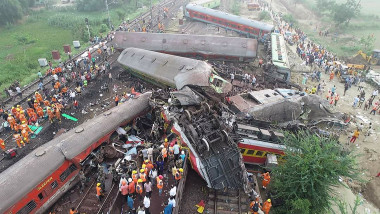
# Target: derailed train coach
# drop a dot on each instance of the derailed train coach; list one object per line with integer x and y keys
{"x": 172, "y": 71}
{"x": 195, "y": 46}
{"x": 39, "y": 179}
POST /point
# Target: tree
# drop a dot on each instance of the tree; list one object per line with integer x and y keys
{"x": 343, "y": 13}
{"x": 325, "y": 5}
{"x": 89, "y": 5}
{"x": 368, "y": 43}
{"x": 312, "y": 166}
{"x": 10, "y": 11}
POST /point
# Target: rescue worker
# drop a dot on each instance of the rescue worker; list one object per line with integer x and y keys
{"x": 25, "y": 126}
{"x": 46, "y": 103}
{"x": 99, "y": 192}
{"x": 2, "y": 145}
{"x": 178, "y": 175}
{"x": 139, "y": 187}
{"x": 116, "y": 100}
{"x": 267, "y": 205}
{"x": 22, "y": 116}
{"x": 266, "y": 180}
{"x": 12, "y": 122}
{"x": 40, "y": 112}
{"x": 336, "y": 99}
{"x": 131, "y": 186}
{"x": 35, "y": 105}
{"x": 254, "y": 206}
{"x": 50, "y": 114}
{"x": 25, "y": 135}
{"x": 58, "y": 114}
{"x": 160, "y": 184}
{"x": 19, "y": 141}
{"x": 73, "y": 211}
{"x": 135, "y": 176}
{"x": 38, "y": 97}
{"x": 164, "y": 152}
{"x": 142, "y": 175}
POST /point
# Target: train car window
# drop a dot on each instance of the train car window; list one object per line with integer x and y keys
{"x": 41, "y": 196}
{"x": 67, "y": 172}
{"x": 260, "y": 153}
{"x": 54, "y": 185}
{"x": 28, "y": 208}
{"x": 250, "y": 152}
{"x": 242, "y": 150}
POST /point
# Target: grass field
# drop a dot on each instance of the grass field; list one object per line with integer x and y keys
{"x": 346, "y": 43}
{"x": 21, "y": 45}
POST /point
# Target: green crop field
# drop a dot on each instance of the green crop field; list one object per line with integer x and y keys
{"x": 42, "y": 31}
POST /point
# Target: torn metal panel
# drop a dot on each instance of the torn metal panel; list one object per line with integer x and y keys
{"x": 187, "y": 97}
{"x": 266, "y": 96}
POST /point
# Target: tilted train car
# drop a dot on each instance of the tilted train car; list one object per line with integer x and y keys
{"x": 38, "y": 180}
{"x": 198, "y": 46}
{"x": 174, "y": 71}
{"x": 251, "y": 28}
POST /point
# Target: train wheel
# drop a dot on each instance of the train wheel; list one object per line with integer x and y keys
{"x": 204, "y": 141}
{"x": 188, "y": 115}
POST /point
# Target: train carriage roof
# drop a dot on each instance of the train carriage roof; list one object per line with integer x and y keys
{"x": 231, "y": 17}
{"x": 173, "y": 70}
{"x": 185, "y": 43}
{"x": 23, "y": 176}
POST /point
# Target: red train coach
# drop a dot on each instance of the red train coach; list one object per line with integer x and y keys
{"x": 251, "y": 28}
{"x": 38, "y": 180}
{"x": 197, "y": 46}
{"x": 256, "y": 151}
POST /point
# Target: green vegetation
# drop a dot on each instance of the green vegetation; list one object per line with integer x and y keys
{"x": 312, "y": 167}
{"x": 13, "y": 10}
{"x": 264, "y": 15}
{"x": 236, "y": 7}
{"x": 49, "y": 29}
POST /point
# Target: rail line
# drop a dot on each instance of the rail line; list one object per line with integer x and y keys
{"x": 29, "y": 90}
{"x": 228, "y": 202}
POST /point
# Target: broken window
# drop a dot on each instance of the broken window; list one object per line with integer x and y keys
{"x": 267, "y": 95}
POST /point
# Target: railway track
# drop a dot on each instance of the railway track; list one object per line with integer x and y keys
{"x": 228, "y": 202}
{"x": 29, "y": 90}
{"x": 90, "y": 203}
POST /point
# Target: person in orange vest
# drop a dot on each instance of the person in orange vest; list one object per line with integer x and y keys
{"x": 166, "y": 143}
{"x": 38, "y": 97}
{"x": 116, "y": 100}
{"x": 57, "y": 85}
{"x": 260, "y": 62}
{"x": 139, "y": 187}
{"x": 46, "y": 103}
{"x": 50, "y": 114}
{"x": 142, "y": 175}
{"x": 131, "y": 186}
{"x": 19, "y": 141}
{"x": 254, "y": 206}
{"x": 22, "y": 116}
{"x": 29, "y": 111}
{"x": 12, "y": 122}
{"x": 33, "y": 117}
{"x": 13, "y": 110}
{"x": 2, "y": 144}
{"x": 135, "y": 176}
{"x": 266, "y": 206}
{"x": 160, "y": 184}
{"x": 36, "y": 104}
{"x": 331, "y": 76}
{"x": 178, "y": 175}
{"x": 73, "y": 211}
{"x": 164, "y": 152}
{"x": 336, "y": 99}
{"x": 17, "y": 115}
{"x": 40, "y": 112}
{"x": 99, "y": 192}
{"x": 266, "y": 180}
{"x": 25, "y": 135}
{"x": 58, "y": 114}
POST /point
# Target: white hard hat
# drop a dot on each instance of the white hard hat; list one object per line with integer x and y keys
{"x": 129, "y": 180}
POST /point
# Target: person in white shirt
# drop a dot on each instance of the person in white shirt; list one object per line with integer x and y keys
{"x": 172, "y": 201}
{"x": 147, "y": 204}
{"x": 173, "y": 191}
{"x": 232, "y": 77}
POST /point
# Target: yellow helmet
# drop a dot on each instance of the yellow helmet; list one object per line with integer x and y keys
{"x": 18, "y": 106}
{"x": 139, "y": 181}
{"x": 9, "y": 115}
{"x": 269, "y": 200}
{"x": 143, "y": 166}
{"x": 17, "y": 109}
{"x": 134, "y": 172}
{"x": 180, "y": 169}
{"x": 146, "y": 161}
{"x": 166, "y": 140}
{"x": 142, "y": 170}
{"x": 98, "y": 184}
{"x": 13, "y": 107}
{"x": 23, "y": 122}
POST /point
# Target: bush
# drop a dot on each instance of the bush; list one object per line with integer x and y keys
{"x": 289, "y": 18}
{"x": 264, "y": 15}
{"x": 103, "y": 28}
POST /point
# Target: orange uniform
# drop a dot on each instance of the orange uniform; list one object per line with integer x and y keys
{"x": 13, "y": 110}
{"x": 164, "y": 152}
{"x": 46, "y": 103}
{"x": 98, "y": 191}
{"x": 177, "y": 175}
{"x": 267, "y": 205}
{"x": 40, "y": 111}
{"x": 143, "y": 176}
{"x": 58, "y": 114}
{"x": 131, "y": 187}
{"x": 51, "y": 115}
{"x": 36, "y": 105}
{"x": 29, "y": 111}
{"x": 22, "y": 117}
{"x": 135, "y": 177}
{"x": 12, "y": 122}
{"x": 160, "y": 183}
{"x": 139, "y": 188}
{"x": 266, "y": 180}
{"x": 18, "y": 139}
{"x": 25, "y": 135}
{"x": 38, "y": 97}
{"x": 2, "y": 144}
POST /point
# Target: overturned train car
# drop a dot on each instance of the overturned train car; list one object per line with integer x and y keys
{"x": 38, "y": 180}
{"x": 196, "y": 46}
{"x": 173, "y": 71}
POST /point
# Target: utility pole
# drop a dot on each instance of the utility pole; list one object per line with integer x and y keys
{"x": 88, "y": 29}
{"x": 151, "y": 12}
